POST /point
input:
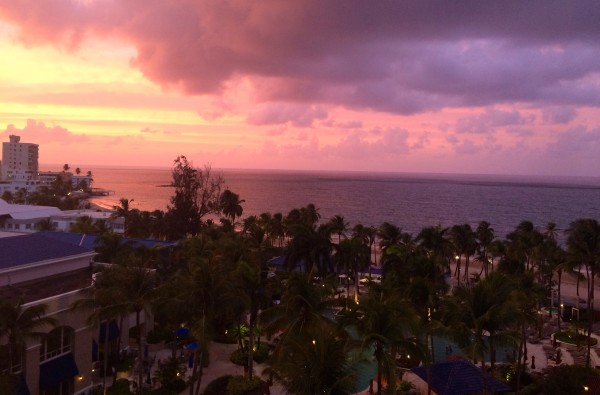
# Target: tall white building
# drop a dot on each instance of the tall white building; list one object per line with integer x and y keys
{"x": 19, "y": 160}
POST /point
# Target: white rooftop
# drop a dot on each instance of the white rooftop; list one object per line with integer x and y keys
{"x": 24, "y": 211}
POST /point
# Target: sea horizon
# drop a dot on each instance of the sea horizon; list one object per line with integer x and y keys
{"x": 410, "y": 201}
{"x": 593, "y": 181}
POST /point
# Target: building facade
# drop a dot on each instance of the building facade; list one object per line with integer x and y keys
{"x": 19, "y": 160}
{"x": 35, "y": 270}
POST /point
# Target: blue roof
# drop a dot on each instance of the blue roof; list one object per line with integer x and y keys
{"x": 34, "y": 247}
{"x": 79, "y": 239}
{"x": 88, "y": 241}
{"x": 459, "y": 377}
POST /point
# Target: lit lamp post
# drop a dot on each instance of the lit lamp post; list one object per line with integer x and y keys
{"x": 562, "y": 308}
{"x": 456, "y": 269}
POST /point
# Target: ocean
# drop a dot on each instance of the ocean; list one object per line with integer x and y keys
{"x": 410, "y": 201}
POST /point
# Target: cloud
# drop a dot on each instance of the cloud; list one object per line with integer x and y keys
{"x": 38, "y": 133}
{"x": 559, "y": 115}
{"x": 576, "y": 142}
{"x": 278, "y": 113}
{"x": 397, "y": 57}
{"x": 491, "y": 119}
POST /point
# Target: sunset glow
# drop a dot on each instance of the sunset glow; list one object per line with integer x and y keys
{"x": 481, "y": 87}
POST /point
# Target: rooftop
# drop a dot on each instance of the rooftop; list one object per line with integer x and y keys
{"x": 35, "y": 247}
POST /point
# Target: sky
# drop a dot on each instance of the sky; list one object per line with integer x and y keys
{"x": 478, "y": 87}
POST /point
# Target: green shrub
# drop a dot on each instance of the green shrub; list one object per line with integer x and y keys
{"x": 218, "y": 386}
{"x": 121, "y": 387}
{"x": 169, "y": 373}
{"x": 239, "y": 385}
{"x": 261, "y": 354}
{"x": 125, "y": 365}
{"x": 240, "y": 357}
{"x": 572, "y": 337}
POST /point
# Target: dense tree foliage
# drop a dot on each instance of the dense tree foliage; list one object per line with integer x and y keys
{"x": 197, "y": 193}
{"x": 218, "y": 282}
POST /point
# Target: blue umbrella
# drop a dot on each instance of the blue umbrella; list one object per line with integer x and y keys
{"x": 191, "y": 346}
{"x": 181, "y": 332}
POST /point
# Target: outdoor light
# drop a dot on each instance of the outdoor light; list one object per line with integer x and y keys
{"x": 314, "y": 342}
{"x": 586, "y": 388}
{"x": 80, "y": 377}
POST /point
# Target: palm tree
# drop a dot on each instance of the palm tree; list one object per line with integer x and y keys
{"x": 310, "y": 246}
{"x": 382, "y": 320}
{"x": 480, "y": 311}
{"x": 84, "y": 224}
{"x": 78, "y": 171}
{"x": 583, "y": 247}
{"x": 111, "y": 247}
{"x": 230, "y": 205}
{"x": 132, "y": 289}
{"x": 523, "y": 242}
{"x": 369, "y": 233}
{"x": 98, "y": 302}
{"x": 8, "y": 197}
{"x": 484, "y": 235}
{"x": 389, "y": 235}
{"x": 318, "y": 360}
{"x": 352, "y": 255}
{"x": 436, "y": 241}
{"x": 123, "y": 210}
{"x": 66, "y": 167}
{"x": 302, "y": 305}
{"x": 465, "y": 244}
{"x": 90, "y": 175}
{"x": 18, "y": 325}
{"x": 338, "y": 225}
{"x": 45, "y": 224}
{"x": 524, "y": 303}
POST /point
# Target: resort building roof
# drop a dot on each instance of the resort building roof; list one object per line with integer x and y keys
{"x": 36, "y": 248}
{"x": 23, "y": 211}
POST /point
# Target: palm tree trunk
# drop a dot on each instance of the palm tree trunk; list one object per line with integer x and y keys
{"x": 590, "y": 312}
{"x": 559, "y": 299}
{"x": 520, "y": 356}
{"x": 194, "y": 370}
{"x": 200, "y": 364}
{"x": 251, "y": 340}
{"x": 578, "y": 278}
{"x": 121, "y": 319}
{"x": 105, "y": 357}
{"x": 379, "y": 356}
{"x": 140, "y": 352}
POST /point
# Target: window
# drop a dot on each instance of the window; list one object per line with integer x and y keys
{"x": 58, "y": 342}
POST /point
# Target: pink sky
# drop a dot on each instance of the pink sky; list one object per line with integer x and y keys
{"x": 508, "y": 87}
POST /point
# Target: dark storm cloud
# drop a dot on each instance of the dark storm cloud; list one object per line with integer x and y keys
{"x": 395, "y": 56}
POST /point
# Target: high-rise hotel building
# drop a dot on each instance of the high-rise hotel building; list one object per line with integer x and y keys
{"x": 19, "y": 160}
